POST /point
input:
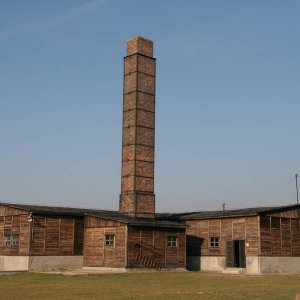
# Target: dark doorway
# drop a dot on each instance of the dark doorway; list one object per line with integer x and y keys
{"x": 193, "y": 252}
{"x": 236, "y": 257}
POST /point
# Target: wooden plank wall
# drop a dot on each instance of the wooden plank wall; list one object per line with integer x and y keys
{"x": 152, "y": 242}
{"x": 56, "y": 235}
{"x": 95, "y": 253}
{"x": 279, "y": 236}
{"x": 287, "y": 214}
{"x": 8, "y": 211}
{"x": 45, "y": 235}
{"x": 14, "y": 222}
{"x": 200, "y": 231}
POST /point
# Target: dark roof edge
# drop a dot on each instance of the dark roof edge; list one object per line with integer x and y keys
{"x": 186, "y": 218}
{"x": 140, "y": 222}
{"x": 35, "y": 209}
{"x": 158, "y": 224}
{"x": 121, "y": 220}
{"x": 280, "y": 209}
{"x": 15, "y": 206}
{"x": 231, "y": 213}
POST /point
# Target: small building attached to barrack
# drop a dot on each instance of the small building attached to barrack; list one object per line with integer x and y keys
{"x": 253, "y": 241}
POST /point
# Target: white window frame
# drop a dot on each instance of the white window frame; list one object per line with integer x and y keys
{"x": 109, "y": 240}
{"x": 15, "y": 240}
{"x": 6, "y": 241}
{"x": 214, "y": 242}
{"x": 172, "y": 241}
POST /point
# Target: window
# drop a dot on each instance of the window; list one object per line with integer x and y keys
{"x": 11, "y": 240}
{"x": 6, "y": 241}
{"x": 15, "y": 240}
{"x": 214, "y": 242}
{"x": 109, "y": 239}
{"x": 172, "y": 241}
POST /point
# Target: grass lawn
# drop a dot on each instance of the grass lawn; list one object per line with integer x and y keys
{"x": 156, "y": 285}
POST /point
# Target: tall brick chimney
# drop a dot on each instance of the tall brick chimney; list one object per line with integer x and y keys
{"x": 137, "y": 197}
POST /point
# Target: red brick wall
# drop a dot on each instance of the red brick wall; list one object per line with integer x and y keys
{"x": 137, "y": 189}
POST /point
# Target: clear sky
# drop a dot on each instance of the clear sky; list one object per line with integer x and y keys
{"x": 228, "y": 101}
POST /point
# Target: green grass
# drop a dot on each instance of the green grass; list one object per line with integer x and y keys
{"x": 154, "y": 285}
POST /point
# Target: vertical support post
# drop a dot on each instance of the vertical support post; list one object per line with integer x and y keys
{"x": 296, "y": 176}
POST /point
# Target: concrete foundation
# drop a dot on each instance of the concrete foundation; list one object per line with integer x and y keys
{"x": 218, "y": 264}
{"x": 213, "y": 263}
{"x": 39, "y": 263}
{"x": 52, "y": 263}
{"x": 255, "y": 265}
{"x": 252, "y": 265}
{"x": 206, "y": 263}
{"x": 14, "y": 263}
{"x": 279, "y": 264}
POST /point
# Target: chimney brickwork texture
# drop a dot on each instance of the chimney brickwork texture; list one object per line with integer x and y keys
{"x": 137, "y": 197}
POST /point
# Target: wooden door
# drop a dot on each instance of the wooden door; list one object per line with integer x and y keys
{"x": 229, "y": 255}
{"x": 236, "y": 256}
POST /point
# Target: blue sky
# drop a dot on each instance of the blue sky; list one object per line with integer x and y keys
{"x": 227, "y": 114}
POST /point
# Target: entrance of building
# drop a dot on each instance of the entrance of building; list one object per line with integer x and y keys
{"x": 236, "y": 256}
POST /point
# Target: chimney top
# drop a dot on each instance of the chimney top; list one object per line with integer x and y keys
{"x": 141, "y": 45}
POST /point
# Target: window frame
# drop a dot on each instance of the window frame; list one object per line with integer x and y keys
{"x": 172, "y": 241}
{"x": 110, "y": 239}
{"x": 15, "y": 240}
{"x": 6, "y": 240}
{"x": 214, "y": 242}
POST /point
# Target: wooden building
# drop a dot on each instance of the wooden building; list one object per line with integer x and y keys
{"x": 253, "y": 241}
{"x": 42, "y": 238}
{"x": 125, "y": 242}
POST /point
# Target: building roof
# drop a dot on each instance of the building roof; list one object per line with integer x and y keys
{"x": 254, "y": 211}
{"x": 170, "y": 220}
{"x": 52, "y": 210}
{"x": 148, "y": 222}
{"x": 101, "y": 214}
